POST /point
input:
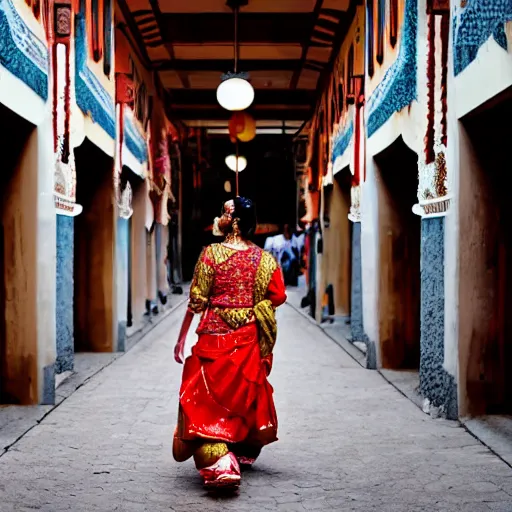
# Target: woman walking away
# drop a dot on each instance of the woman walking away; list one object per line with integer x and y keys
{"x": 226, "y": 408}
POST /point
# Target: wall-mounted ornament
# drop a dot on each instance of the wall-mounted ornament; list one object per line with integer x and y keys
{"x": 393, "y": 22}
{"x": 65, "y": 189}
{"x": 438, "y": 6}
{"x": 108, "y": 36}
{"x": 355, "y": 207}
{"x": 125, "y": 202}
{"x": 381, "y": 26}
{"x": 370, "y": 35}
{"x": 433, "y": 193}
{"x": 96, "y": 29}
{"x": 124, "y": 89}
{"x": 62, "y": 20}
{"x": 65, "y": 183}
{"x": 433, "y": 198}
{"x": 122, "y": 196}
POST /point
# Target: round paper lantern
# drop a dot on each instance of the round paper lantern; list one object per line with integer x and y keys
{"x": 242, "y": 126}
{"x": 235, "y": 94}
{"x": 231, "y": 162}
{"x": 249, "y": 130}
{"x": 235, "y": 125}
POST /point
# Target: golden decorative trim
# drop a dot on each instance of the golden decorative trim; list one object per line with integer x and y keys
{"x": 263, "y": 309}
{"x": 201, "y": 284}
{"x": 266, "y": 316}
{"x": 220, "y": 253}
{"x": 235, "y": 317}
{"x": 209, "y": 453}
{"x": 266, "y": 269}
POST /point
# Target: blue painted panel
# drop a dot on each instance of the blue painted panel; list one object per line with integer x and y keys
{"x": 474, "y": 24}
{"x": 342, "y": 141}
{"x": 356, "y": 309}
{"x": 398, "y": 88}
{"x": 122, "y": 264}
{"x": 65, "y": 293}
{"x": 21, "y": 52}
{"x": 134, "y": 141}
{"x": 91, "y": 96}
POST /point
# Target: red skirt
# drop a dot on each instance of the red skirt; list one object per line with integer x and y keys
{"x": 225, "y": 394}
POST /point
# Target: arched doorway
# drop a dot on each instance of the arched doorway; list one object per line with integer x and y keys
{"x": 95, "y": 328}
{"x": 399, "y": 232}
{"x": 485, "y": 255}
{"x": 18, "y": 259}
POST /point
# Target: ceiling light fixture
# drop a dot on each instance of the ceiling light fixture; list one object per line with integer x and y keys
{"x": 232, "y": 160}
{"x": 235, "y": 93}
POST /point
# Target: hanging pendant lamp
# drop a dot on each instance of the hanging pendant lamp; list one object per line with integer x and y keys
{"x": 233, "y": 160}
{"x": 235, "y": 93}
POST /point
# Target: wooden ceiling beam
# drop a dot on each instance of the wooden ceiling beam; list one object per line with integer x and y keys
{"x": 306, "y": 43}
{"x": 184, "y": 79}
{"x": 220, "y": 114}
{"x": 134, "y": 31}
{"x": 204, "y": 28}
{"x": 341, "y": 33}
{"x": 224, "y": 65}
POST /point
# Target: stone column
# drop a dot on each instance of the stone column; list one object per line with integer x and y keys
{"x": 436, "y": 385}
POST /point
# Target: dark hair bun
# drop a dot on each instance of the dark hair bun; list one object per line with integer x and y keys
{"x": 245, "y": 212}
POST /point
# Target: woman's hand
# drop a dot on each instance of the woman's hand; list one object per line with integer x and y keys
{"x": 179, "y": 348}
{"x": 179, "y": 351}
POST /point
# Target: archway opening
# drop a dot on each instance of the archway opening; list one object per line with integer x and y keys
{"x": 399, "y": 257}
{"x": 18, "y": 231}
{"x": 337, "y": 244}
{"x": 485, "y": 251}
{"x": 137, "y": 252}
{"x": 94, "y": 252}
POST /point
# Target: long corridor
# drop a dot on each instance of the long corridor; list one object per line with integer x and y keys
{"x": 348, "y": 441}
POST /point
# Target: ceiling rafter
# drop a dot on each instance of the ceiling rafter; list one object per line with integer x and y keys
{"x": 336, "y": 47}
{"x": 289, "y": 53}
{"x": 219, "y": 114}
{"x": 322, "y": 37}
{"x": 305, "y": 45}
{"x": 134, "y": 31}
{"x": 149, "y": 29}
{"x": 331, "y": 13}
{"x": 223, "y": 65}
{"x": 185, "y": 82}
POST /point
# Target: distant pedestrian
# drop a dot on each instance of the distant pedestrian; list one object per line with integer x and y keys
{"x": 285, "y": 248}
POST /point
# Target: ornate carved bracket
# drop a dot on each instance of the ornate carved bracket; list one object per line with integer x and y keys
{"x": 59, "y": 33}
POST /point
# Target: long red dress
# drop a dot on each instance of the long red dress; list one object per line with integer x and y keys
{"x": 225, "y": 395}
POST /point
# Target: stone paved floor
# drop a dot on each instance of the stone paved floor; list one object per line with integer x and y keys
{"x": 349, "y": 441}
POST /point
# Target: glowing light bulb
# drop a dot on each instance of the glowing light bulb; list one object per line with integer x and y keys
{"x": 235, "y": 94}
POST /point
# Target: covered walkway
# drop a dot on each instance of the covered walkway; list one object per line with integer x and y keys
{"x": 348, "y": 441}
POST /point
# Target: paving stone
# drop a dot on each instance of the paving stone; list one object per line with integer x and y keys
{"x": 348, "y": 442}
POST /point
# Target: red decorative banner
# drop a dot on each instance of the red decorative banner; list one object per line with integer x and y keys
{"x": 124, "y": 89}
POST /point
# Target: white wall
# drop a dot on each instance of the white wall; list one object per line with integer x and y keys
{"x": 370, "y": 252}
{"x": 46, "y": 247}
